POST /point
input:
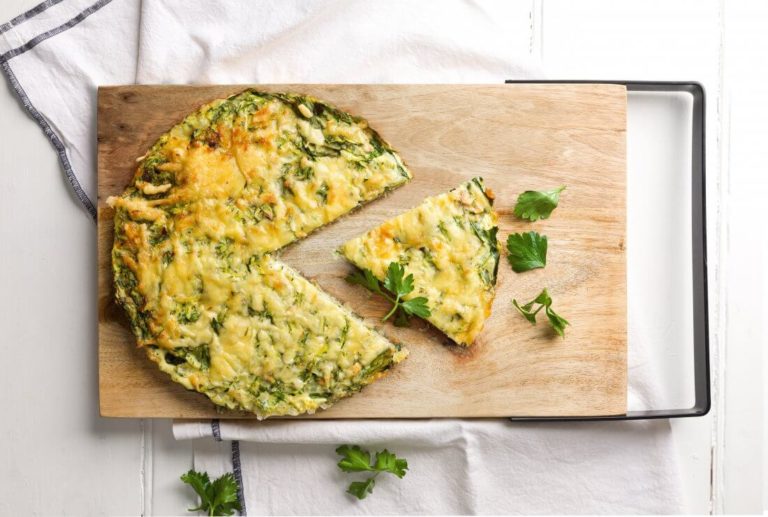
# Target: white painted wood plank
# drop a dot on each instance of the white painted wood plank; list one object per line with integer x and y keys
{"x": 170, "y": 459}
{"x": 739, "y": 476}
{"x": 586, "y": 39}
{"x": 58, "y": 455}
{"x": 660, "y": 40}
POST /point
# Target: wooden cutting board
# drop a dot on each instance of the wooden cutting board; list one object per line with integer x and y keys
{"x": 518, "y": 137}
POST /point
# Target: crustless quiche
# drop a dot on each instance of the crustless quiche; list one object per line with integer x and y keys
{"x": 449, "y": 245}
{"x": 194, "y": 231}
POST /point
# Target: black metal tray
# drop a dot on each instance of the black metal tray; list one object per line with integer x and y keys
{"x": 701, "y": 373}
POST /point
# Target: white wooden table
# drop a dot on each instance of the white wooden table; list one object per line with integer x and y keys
{"x": 60, "y": 457}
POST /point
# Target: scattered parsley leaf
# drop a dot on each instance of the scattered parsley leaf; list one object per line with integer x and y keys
{"x": 225, "y": 501}
{"x": 527, "y": 251}
{"x": 543, "y": 298}
{"x": 558, "y": 322}
{"x": 544, "y": 301}
{"x": 356, "y": 459}
{"x": 361, "y": 489}
{"x": 217, "y": 498}
{"x": 534, "y": 205}
{"x": 388, "y": 462}
{"x": 200, "y": 483}
{"x": 525, "y": 310}
{"x": 396, "y": 286}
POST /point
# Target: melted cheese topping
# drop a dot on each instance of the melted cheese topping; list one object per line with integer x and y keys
{"x": 448, "y": 243}
{"x": 234, "y": 181}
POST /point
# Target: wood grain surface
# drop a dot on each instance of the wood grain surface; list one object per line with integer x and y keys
{"x": 518, "y": 137}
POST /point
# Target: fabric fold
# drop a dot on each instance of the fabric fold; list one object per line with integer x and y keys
{"x": 56, "y": 55}
{"x": 455, "y": 466}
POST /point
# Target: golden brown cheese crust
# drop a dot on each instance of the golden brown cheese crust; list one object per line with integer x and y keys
{"x": 234, "y": 181}
{"x": 449, "y": 245}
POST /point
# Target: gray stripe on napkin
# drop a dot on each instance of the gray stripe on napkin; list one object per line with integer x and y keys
{"x": 216, "y": 429}
{"x": 238, "y": 476}
{"x": 54, "y": 139}
{"x": 39, "y": 8}
{"x": 61, "y": 28}
{"x": 24, "y": 98}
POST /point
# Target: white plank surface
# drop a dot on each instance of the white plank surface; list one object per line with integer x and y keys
{"x": 54, "y": 442}
{"x": 745, "y": 156}
{"x": 57, "y": 456}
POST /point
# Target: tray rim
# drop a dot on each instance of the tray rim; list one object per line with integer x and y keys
{"x": 701, "y": 364}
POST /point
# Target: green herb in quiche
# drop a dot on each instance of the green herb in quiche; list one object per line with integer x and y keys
{"x": 356, "y": 459}
{"x": 526, "y": 251}
{"x": 544, "y": 301}
{"x": 217, "y": 498}
{"x": 534, "y": 205}
{"x": 395, "y": 286}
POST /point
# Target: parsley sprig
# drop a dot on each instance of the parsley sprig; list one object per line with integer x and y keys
{"x": 544, "y": 301}
{"x": 527, "y": 251}
{"x": 356, "y": 459}
{"x": 217, "y": 498}
{"x": 395, "y": 286}
{"x": 534, "y": 204}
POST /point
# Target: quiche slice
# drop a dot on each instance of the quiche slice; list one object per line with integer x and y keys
{"x": 195, "y": 231}
{"x": 274, "y": 345}
{"x": 449, "y": 245}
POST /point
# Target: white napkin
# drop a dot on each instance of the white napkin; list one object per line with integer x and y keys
{"x": 56, "y": 54}
{"x": 455, "y": 466}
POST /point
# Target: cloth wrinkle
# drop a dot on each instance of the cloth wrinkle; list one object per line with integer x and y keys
{"x": 488, "y": 466}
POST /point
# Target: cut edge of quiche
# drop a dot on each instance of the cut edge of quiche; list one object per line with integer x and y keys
{"x": 448, "y": 243}
{"x": 236, "y": 180}
{"x": 273, "y": 401}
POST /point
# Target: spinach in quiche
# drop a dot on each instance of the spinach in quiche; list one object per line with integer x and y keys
{"x": 195, "y": 235}
{"x": 449, "y": 245}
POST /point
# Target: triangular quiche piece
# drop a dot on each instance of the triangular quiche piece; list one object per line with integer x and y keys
{"x": 236, "y": 180}
{"x": 449, "y": 245}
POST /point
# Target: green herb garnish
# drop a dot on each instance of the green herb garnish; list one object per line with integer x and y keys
{"x": 544, "y": 301}
{"x": 534, "y": 205}
{"x": 356, "y": 459}
{"x": 527, "y": 251}
{"x": 217, "y": 498}
{"x": 395, "y": 287}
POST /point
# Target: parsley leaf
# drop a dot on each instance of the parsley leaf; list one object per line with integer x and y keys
{"x": 388, "y": 462}
{"x": 200, "y": 483}
{"x": 395, "y": 283}
{"x": 416, "y": 307}
{"x": 396, "y": 286}
{"x": 217, "y": 498}
{"x": 365, "y": 278}
{"x": 525, "y": 310}
{"x": 558, "y": 322}
{"x": 527, "y": 251}
{"x": 402, "y": 319}
{"x": 361, "y": 489}
{"x": 544, "y": 301}
{"x": 534, "y": 205}
{"x": 356, "y": 459}
{"x": 225, "y": 501}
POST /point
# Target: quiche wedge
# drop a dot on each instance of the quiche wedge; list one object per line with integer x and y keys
{"x": 193, "y": 255}
{"x": 449, "y": 245}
